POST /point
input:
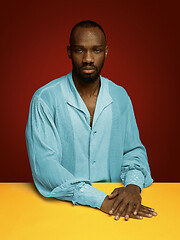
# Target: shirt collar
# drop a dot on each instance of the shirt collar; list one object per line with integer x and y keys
{"x": 103, "y": 100}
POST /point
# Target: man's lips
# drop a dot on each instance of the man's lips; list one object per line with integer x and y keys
{"x": 88, "y": 69}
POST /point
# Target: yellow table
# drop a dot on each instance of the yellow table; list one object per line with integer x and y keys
{"x": 25, "y": 214}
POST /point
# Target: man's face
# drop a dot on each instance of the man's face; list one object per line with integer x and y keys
{"x": 88, "y": 51}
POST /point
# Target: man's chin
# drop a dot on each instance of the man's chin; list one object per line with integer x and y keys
{"x": 89, "y": 78}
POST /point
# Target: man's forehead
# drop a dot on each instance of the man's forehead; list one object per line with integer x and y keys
{"x": 82, "y": 35}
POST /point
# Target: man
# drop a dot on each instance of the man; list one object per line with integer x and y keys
{"x": 81, "y": 129}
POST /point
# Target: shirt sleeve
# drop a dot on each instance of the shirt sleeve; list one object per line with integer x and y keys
{"x": 45, "y": 155}
{"x": 135, "y": 177}
{"x": 135, "y": 168}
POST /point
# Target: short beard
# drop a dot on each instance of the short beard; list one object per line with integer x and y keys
{"x": 88, "y": 79}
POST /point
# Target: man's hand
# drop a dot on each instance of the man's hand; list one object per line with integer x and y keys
{"x": 143, "y": 211}
{"x": 126, "y": 201}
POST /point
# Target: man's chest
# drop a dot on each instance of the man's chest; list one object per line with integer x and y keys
{"x": 90, "y": 103}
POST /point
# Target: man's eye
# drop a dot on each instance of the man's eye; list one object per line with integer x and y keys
{"x": 78, "y": 50}
{"x": 97, "y": 50}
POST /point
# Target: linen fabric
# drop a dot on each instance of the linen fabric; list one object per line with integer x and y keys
{"x": 66, "y": 155}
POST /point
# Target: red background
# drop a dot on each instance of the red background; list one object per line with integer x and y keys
{"x": 144, "y": 57}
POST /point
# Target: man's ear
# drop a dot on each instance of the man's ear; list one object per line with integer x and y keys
{"x": 69, "y": 51}
{"x": 106, "y": 51}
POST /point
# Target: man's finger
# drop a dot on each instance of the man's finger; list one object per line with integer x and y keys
{"x": 137, "y": 207}
{"x": 129, "y": 211}
{"x": 136, "y": 216}
{"x": 145, "y": 210}
{"x": 121, "y": 209}
{"x": 113, "y": 194}
{"x": 115, "y": 205}
{"x": 143, "y": 214}
{"x": 151, "y": 209}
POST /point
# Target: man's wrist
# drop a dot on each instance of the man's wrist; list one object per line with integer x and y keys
{"x": 134, "y": 177}
{"x": 135, "y": 187}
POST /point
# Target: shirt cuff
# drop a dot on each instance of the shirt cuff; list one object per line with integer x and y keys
{"x": 86, "y": 194}
{"x": 135, "y": 177}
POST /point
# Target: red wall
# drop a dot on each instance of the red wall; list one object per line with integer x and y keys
{"x": 144, "y": 57}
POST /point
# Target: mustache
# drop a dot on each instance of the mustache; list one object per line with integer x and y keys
{"x": 88, "y": 65}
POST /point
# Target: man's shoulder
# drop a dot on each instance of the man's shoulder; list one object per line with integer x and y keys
{"x": 51, "y": 88}
{"x": 116, "y": 91}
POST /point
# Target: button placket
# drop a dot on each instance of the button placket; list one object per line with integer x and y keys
{"x": 93, "y": 133}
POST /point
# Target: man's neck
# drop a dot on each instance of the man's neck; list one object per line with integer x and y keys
{"x": 86, "y": 89}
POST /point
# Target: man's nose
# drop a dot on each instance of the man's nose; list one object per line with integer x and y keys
{"x": 88, "y": 57}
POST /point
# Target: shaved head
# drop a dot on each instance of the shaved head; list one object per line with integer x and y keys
{"x": 85, "y": 24}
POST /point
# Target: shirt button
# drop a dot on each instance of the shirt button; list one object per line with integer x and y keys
{"x": 92, "y": 162}
{"x": 94, "y": 132}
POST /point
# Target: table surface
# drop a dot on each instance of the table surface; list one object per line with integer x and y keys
{"x": 26, "y": 215}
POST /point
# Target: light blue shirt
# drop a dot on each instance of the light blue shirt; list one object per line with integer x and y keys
{"x": 89, "y": 142}
{"x": 66, "y": 154}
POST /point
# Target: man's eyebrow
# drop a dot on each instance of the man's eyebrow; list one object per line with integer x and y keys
{"x": 74, "y": 45}
{"x": 98, "y": 46}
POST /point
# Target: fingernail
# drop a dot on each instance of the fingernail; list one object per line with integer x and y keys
{"x": 135, "y": 212}
{"x": 126, "y": 217}
{"x": 152, "y": 209}
{"x": 116, "y": 217}
{"x": 154, "y": 214}
{"x": 111, "y": 212}
{"x": 140, "y": 217}
{"x": 149, "y": 215}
